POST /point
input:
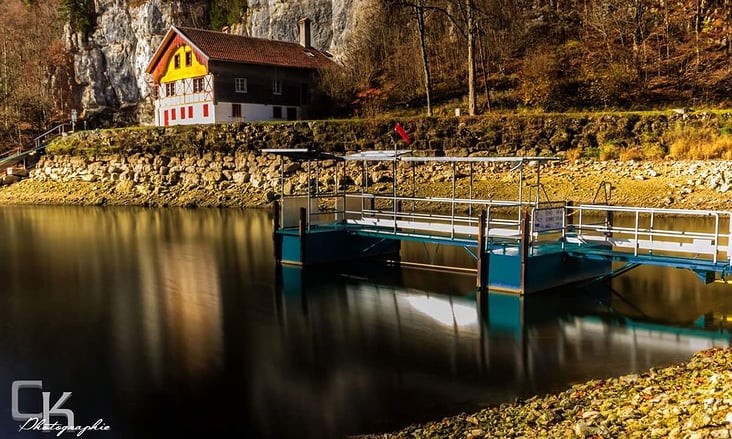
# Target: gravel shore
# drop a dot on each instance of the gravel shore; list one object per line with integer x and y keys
{"x": 691, "y": 400}
{"x": 666, "y": 183}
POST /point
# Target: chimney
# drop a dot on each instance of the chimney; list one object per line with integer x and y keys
{"x": 304, "y": 32}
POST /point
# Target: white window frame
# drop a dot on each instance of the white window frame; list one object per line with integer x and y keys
{"x": 241, "y": 86}
{"x": 171, "y": 89}
{"x": 201, "y": 82}
{"x": 276, "y": 87}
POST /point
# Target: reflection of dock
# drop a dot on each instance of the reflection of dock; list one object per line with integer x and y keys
{"x": 521, "y": 342}
{"x": 519, "y": 246}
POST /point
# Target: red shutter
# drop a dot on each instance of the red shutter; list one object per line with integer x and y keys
{"x": 182, "y": 113}
{"x": 205, "y": 110}
{"x": 165, "y": 118}
{"x": 190, "y": 112}
{"x": 172, "y": 114}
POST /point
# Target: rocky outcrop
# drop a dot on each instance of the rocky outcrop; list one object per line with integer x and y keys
{"x": 110, "y": 63}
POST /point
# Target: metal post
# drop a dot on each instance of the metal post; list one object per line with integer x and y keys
{"x": 302, "y": 227}
{"x": 521, "y": 188}
{"x": 414, "y": 185}
{"x": 470, "y": 192}
{"x": 716, "y": 236}
{"x": 524, "y": 249}
{"x": 317, "y": 178}
{"x": 276, "y": 236}
{"x": 482, "y": 280}
{"x": 567, "y": 221}
{"x": 394, "y": 186}
{"x": 538, "y": 181}
{"x": 729, "y": 242}
{"x": 635, "y": 247}
{"x": 282, "y": 176}
{"x": 307, "y": 221}
{"x": 452, "y": 205}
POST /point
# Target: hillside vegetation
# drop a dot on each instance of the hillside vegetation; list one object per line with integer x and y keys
{"x": 553, "y": 55}
{"x": 528, "y": 56}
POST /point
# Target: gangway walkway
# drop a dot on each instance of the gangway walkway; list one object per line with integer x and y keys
{"x": 38, "y": 144}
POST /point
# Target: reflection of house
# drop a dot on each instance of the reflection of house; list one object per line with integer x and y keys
{"x": 201, "y": 76}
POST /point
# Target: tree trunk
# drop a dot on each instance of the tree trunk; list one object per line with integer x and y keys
{"x": 419, "y": 9}
{"x": 485, "y": 75}
{"x": 471, "y": 57}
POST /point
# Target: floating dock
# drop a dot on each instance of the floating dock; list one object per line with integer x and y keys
{"x": 519, "y": 246}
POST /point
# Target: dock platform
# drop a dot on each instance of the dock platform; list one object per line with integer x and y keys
{"x": 519, "y": 246}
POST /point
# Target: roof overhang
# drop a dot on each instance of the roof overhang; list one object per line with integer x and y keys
{"x": 163, "y": 48}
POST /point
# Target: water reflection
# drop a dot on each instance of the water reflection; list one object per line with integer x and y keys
{"x": 477, "y": 349}
{"x": 149, "y": 316}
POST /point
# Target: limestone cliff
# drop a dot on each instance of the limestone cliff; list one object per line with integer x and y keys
{"x": 110, "y": 63}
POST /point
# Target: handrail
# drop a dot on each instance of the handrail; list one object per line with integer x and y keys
{"x": 58, "y": 130}
{"x": 37, "y": 143}
{"x": 11, "y": 152}
{"x": 644, "y": 234}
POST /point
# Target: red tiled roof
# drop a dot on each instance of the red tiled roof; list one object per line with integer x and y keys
{"x": 218, "y": 46}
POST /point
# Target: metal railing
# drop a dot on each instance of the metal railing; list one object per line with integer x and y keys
{"x": 701, "y": 234}
{"x": 652, "y": 231}
{"x": 451, "y": 218}
{"x": 50, "y": 135}
{"x": 11, "y": 152}
{"x": 39, "y": 142}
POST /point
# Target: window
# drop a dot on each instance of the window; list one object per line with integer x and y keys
{"x": 176, "y": 61}
{"x": 156, "y": 92}
{"x": 189, "y": 59}
{"x": 277, "y": 112}
{"x": 276, "y": 87}
{"x": 197, "y": 85}
{"x": 235, "y": 110}
{"x": 182, "y": 113}
{"x": 241, "y": 85}
{"x": 291, "y": 113}
{"x": 170, "y": 89}
{"x": 190, "y": 112}
{"x": 205, "y": 110}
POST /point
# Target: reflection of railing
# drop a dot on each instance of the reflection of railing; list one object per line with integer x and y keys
{"x": 644, "y": 235}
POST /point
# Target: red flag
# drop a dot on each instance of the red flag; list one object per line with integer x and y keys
{"x": 403, "y": 134}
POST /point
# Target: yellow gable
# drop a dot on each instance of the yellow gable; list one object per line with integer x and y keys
{"x": 182, "y": 71}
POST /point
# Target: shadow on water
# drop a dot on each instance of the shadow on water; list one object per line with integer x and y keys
{"x": 177, "y": 323}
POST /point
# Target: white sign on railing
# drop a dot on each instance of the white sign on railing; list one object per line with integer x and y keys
{"x": 548, "y": 219}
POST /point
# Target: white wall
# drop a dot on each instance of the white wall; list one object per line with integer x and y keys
{"x": 198, "y": 117}
{"x": 249, "y": 112}
{"x": 218, "y": 113}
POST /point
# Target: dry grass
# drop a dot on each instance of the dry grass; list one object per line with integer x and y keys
{"x": 686, "y": 142}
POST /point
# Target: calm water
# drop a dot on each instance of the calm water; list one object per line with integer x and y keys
{"x": 176, "y": 323}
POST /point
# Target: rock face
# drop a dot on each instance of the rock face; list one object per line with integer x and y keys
{"x": 110, "y": 63}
